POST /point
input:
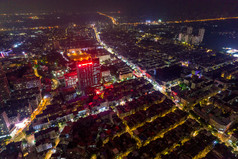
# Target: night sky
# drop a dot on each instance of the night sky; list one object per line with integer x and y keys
{"x": 171, "y": 8}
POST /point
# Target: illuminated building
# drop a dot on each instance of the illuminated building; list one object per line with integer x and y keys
{"x": 125, "y": 74}
{"x": 201, "y": 33}
{"x": 231, "y": 51}
{"x": 189, "y": 30}
{"x": 106, "y": 73}
{"x": 4, "y": 89}
{"x": 77, "y": 55}
{"x": 59, "y": 74}
{"x": 25, "y": 95}
{"x": 87, "y": 68}
{"x": 88, "y": 73}
{"x": 71, "y": 79}
{"x": 189, "y": 37}
{"x": 28, "y": 82}
{"x": 5, "y": 53}
{"x": 104, "y": 58}
{"x": 23, "y": 107}
{"x": 195, "y": 40}
{"x": 180, "y": 37}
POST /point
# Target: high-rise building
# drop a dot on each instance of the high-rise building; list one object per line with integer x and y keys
{"x": 87, "y": 69}
{"x": 88, "y": 72}
{"x": 85, "y": 74}
{"x": 201, "y": 33}
{"x": 4, "y": 87}
{"x": 187, "y": 38}
{"x": 180, "y": 37}
{"x": 189, "y": 30}
{"x": 195, "y": 40}
{"x": 96, "y": 72}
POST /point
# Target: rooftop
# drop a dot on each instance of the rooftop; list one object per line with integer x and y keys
{"x": 76, "y": 55}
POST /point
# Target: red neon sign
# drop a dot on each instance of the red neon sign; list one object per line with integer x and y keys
{"x": 80, "y": 65}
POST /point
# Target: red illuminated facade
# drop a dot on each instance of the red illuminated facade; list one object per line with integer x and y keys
{"x": 88, "y": 73}
{"x": 71, "y": 79}
{"x": 85, "y": 64}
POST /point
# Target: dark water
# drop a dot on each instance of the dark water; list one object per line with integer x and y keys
{"x": 221, "y": 34}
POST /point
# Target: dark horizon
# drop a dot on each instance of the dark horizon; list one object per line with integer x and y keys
{"x": 165, "y": 8}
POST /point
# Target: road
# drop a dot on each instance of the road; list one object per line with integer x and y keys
{"x": 36, "y": 73}
{"x": 168, "y": 22}
{"x": 203, "y": 20}
{"x": 57, "y": 141}
{"x": 51, "y": 151}
{"x": 129, "y": 63}
{"x": 55, "y": 84}
{"x": 19, "y": 130}
{"x": 114, "y": 21}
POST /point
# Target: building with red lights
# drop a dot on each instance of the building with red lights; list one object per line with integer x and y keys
{"x": 71, "y": 79}
{"x": 88, "y": 72}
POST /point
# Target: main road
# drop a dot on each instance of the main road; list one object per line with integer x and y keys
{"x": 114, "y": 21}
{"x": 133, "y": 66}
{"x": 22, "y": 126}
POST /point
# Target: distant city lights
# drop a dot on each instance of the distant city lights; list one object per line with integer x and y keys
{"x": 148, "y": 21}
{"x": 232, "y": 51}
{"x": 5, "y": 53}
{"x": 17, "y": 45}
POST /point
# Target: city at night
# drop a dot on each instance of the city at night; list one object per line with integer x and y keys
{"x": 125, "y": 79}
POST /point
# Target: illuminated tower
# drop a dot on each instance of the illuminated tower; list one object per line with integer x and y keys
{"x": 201, "y": 33}
{"x": 88, "y": 72}
{"x": 4, "y": 89}
{"x": 85, "y": 74}
{"x": 189, "y": 30}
